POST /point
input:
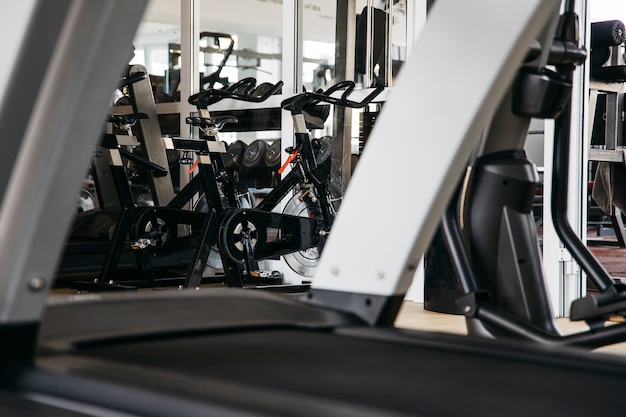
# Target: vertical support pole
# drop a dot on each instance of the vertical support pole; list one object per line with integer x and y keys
{"x": 369, "y": 40}
{"x": 575, "y": 280}
{"x": 189, "y": 54}
{"x": 565, "y": 280}
{"x": 389, "y": 46}
{"x": 189, "y": 77}
{"x": 292, "y": 47}
{"x": 551, "y": 244}
{"x": 291, "y": 67}
{"x": 345, "y": 35}
{"x": 150, "y": 135}
{"x": 68, "y": 98}
{"x": 613, "y": 119}
{"x": 107, "y": 193}
{"x": 416, "y": 12}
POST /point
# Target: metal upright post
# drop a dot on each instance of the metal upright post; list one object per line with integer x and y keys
{"x": 150, "y": 135}
{"x": 66, "y": 109}
{"x": 345, "y": 33}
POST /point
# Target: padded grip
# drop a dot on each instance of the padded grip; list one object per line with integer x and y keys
{"x": 607, "y": 33}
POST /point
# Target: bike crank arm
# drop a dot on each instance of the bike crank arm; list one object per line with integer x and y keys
{"x": 267, "y": 234}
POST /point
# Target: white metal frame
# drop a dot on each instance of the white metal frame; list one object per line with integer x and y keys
{"x": 63, "y": 127}
{"x": 564, "y": 278}
{"x": 380, "y": 257}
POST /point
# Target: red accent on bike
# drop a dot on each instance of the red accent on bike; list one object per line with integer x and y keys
{"x": 193, "y": 167}
{"x": 288, "y": 161}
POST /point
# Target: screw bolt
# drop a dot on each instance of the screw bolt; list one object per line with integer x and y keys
{"x": 37, "y": 284}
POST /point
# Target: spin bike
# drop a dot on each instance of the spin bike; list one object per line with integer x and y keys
{"x": 162, "y": 232}
{"x": 99, "y": 237}
{"x": 156, "y": 230}
{"x": 496, "y": 253}
{"x": 243, "y": 236}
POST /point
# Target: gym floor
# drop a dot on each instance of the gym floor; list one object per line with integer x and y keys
{"x": 414, "y": 316}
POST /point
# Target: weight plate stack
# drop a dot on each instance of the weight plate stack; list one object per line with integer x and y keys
{"x": 254, "y": 155}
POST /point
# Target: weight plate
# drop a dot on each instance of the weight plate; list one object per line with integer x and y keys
{"x": 272, "y": 155}
{"x": 254, "y": 155}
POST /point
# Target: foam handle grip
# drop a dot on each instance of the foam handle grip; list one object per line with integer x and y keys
{"x": 607, "y": 33}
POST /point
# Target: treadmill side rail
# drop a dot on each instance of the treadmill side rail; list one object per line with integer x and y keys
{"x": 380, "y": 258}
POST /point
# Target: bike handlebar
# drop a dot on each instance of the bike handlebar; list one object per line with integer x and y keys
{"x": 131, "y": 79}
{"x": 234, "y": 91}
{"x": 297, "y": 102}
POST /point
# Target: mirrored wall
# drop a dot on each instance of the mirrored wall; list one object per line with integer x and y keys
{"x": 308, "y": 45}
{"x": 244, "y": 38}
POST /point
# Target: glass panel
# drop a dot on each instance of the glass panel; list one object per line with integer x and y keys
{"x": 328, "y": 47}
{"x": 157, "y": 47}
{"x": 384, "y": 53}
{"x": 253, "y": 27}
{"x": 319, "y": 45}
{"x": 215, "y": 51}
{"x": 241, "y": 39}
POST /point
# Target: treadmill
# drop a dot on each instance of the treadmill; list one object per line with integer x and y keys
{"x": 232, "y": 352}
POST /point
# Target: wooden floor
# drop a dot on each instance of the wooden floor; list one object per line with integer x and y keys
{"x": 612, "y": 257}
{"x": 413, "y": 316}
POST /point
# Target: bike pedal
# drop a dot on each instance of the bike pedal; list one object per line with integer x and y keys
{"x": 140, "y": 244}
{"x": 264, "y": 276}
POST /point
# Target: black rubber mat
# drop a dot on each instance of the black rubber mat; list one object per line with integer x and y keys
{"x": 399, "y": 374}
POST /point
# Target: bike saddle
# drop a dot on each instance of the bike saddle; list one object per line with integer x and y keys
{"x": 207, "y": 122}
{"x": 126, "y": 119}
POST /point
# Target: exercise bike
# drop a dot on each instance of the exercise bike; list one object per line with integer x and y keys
{"x": 156, "y": 235}
{"x": 243, "y": 235}
{"x": 98, "y": 240}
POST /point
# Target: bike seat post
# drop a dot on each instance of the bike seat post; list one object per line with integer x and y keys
{"x": 125, "y": 127}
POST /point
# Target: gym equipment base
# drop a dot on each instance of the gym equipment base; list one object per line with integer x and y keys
{"x": 177, "y": 353}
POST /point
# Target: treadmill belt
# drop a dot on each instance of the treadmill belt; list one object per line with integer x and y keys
{"x": 406, "y": 377}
